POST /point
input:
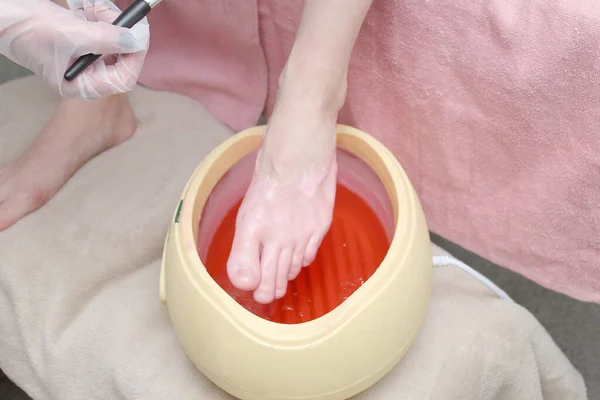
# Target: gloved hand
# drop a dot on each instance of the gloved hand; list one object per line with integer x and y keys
{"x": 47, "y": 38}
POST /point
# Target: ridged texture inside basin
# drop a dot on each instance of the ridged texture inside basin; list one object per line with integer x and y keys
{"x": 350, "y": 253}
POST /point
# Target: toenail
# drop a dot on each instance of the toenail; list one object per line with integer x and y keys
{"x": 260, "y": 298}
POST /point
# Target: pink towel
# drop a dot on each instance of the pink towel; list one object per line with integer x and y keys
{"x": 210, "y": 51}
{"x": 491, "y": 106}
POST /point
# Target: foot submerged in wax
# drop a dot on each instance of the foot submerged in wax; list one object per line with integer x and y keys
{"x": 287, "y": 209}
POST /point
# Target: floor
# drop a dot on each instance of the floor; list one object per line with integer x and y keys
{"x": 575, "y": 326}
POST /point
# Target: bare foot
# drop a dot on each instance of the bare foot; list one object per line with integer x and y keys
{"x": 288, "y": 207}
{"x": 77, "y": 132}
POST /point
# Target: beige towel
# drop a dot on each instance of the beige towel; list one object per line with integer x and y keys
{"x": 80, "y": 314}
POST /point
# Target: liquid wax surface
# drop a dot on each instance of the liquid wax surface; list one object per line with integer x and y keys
{"x": 350, "y": 253}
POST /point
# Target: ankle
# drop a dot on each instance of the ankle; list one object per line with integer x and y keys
{"x": 110, "y": 119}
{"x": 311, "y": 88}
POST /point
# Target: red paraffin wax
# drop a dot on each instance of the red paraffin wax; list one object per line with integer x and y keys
{"x": 350, "y": 253}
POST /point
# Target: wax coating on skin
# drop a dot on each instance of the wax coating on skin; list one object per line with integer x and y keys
{"x": 351, "y": 251}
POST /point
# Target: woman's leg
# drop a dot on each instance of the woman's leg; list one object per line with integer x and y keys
{"x": 77, "y": 132}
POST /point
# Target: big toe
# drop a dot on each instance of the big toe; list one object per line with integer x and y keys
{"x": 243, "y": 265}
{"x": 13, "y": 208}
{"x": 8, "y": 216}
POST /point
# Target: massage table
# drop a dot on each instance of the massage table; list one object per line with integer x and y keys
{"x": 80, "y": 312}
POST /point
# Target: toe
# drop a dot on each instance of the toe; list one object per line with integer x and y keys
{"x": 283, "y": 269}
{"x": 6, "y": 222}
{"x": 243, "y": 265}
{"x": 265, "y": 292}
{"x": 13, "y": 209}
{"x": 311, "y": 250}
{"x": 297, "y": 260}
{"x": 8, "y": 215}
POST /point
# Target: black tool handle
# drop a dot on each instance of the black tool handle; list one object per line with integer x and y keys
{"x": 131, "y": 16}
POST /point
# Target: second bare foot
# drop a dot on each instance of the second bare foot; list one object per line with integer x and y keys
{"x": 77, "y": 132}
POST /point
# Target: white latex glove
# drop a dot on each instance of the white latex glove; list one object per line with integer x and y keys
{"x": 47, "y": 38}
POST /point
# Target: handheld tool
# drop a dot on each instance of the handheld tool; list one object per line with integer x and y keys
{"x": 128, "y": 18}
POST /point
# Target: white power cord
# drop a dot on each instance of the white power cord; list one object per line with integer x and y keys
{"x": 440, "y": 261}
